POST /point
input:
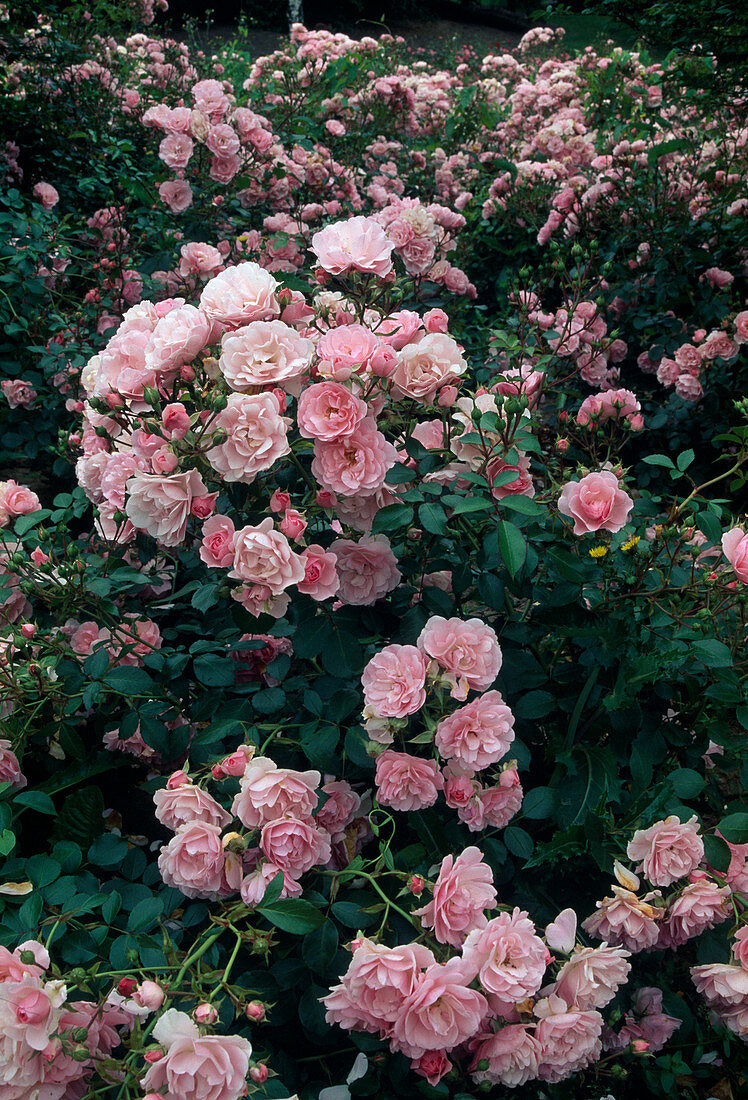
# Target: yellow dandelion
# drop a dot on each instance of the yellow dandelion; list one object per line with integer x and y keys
{"x": 631, "y": 542}
{"x": 598, "y": 551}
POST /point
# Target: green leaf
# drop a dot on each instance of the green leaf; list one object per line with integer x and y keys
{"x": 107, "y": 850}
{"x": 392, "y": 518}
{"x": 294, "y": 915}
{"x": 214, "y": 670}
{"x": 717, "y": 853}
{"x": 539, "y": 803}
{"x": 712, "y": 653}
{"x": 467, "y": 505}
{"x": 685, "y": 459}
{"x": 534, "y": 704}
{"x": 734, "y": 828}
{"x": 687, "y": 783}
{"x": 433, "y": 518}
{"x": 659, "y": 460}
{"x": 145, "y": 914}
{"x": 319, "y": 948}
{"x": 36, "y": 800}
{"x": 512, "y": 546}
{"x": 205, "y": 597}
{"x": 519, "y": 842}
{"x": 129, "y": 681}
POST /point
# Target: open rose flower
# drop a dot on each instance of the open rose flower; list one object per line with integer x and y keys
{"x": 463, "y": 890}
{"x": 263, "y": 556}
{"x": 406, "y": 782}
{"x": 507, "y": 956}
{"x": 467, "y": 650}
{"x": 195, "y": 1066}
{"x": 478, "y": 734}
{"x": 596, "y": 503}
{"x": 358, "y": 244}
{"x": 394, "y": 681}
{"x": 668, "y": 850}
{"x": 161, "y": 505}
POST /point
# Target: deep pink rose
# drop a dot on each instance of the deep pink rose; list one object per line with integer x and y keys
{"x": 217, "y": 546}
{"x": 320, "y": 573}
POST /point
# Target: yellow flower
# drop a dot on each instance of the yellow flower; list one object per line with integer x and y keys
{"x": 631, "y": 542}
{"x": 598, "y": 551}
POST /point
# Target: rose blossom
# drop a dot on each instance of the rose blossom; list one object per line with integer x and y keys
{"x": 294, "y": 845}
{"x": 735, "y": 549}
{"x": 193, "y": 860}
{"x": 596, "y": 503}
{"x": 176, "y": 194}
{"x": 340, "y": 808}
{"x": 264, "y": 557}
{"x": 239, "y": 295}
{"x": 468, "y": 651}
{"x": 394, "y": 681}
{"x": 625, "y": 919}
{"x": 345, "y": 350}
{"x": 512, "y": 1054}
{"x": 376, "y": 985}
{"x": 217, "y": 546}
{"x": 463, "y": 890}
{"x": 46, "y": 194}
{"x": 441, "y": 1013}
{"x": 10, "y": 769}
{"x": 187, "y": 803}
{"x": 328, "y": 411}
{"x": 433, "y": 1065}
{"x": 478, "y": 734}
{"x": 263, "y": 353}
{"x": 668, "y": 850}
{"x": 195, "y": 1067}
{"x": 507, "y": 957}
{"x": 406, "y": 782}
{"x": 569, "y": 1040}
{"x": 16, "y": 500}
{"x": 161, "y": 505}
{"x": 367, "y": 569}
{"x": 18, "y": 393}
{"x": 358, "y": 244}
{"x": 701, "y": 905}
{"x": 355, "y": 464}
{"x": 254, "y": 885}
{"x": 177, "y": 339}
{"x": 423, "y": 367}
{"x": 268, "y": 792}
{"x": 320, "y": 573}
{"x": 591, "y": 977}
{"x": 255, "y": 437}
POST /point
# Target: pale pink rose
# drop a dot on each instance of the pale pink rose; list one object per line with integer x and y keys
{"x": 462, "y": 891}
{"x": 263, "y": 353}
{"x": 406, "y": 782}
{"x": 320, "y": 573}
{"x": 345, "y": 350}
{"x": 394, "y": 681}
{"x": 268, "y": 793}
{"x": 294, "y": 845}
{"x": 85, "y": 636}
{"x": 467, "y": 650}
{"x": 175, "y": 151}
{"x": 176, "y": 194}
{"x": 735, "y": 549}
{"x": 340, "y": 808}
{"x": 367, "y": 569}
{"x": 30, "y": 1011}
{"x": 358, "y": 244}
{"x": 701, "y": 905}
{"x": 187, "y": 803}
{"x": 161, "y": 505}
{"x": 418, "y": 255}
{"x": 255, "y": 884}
{"x": 17, "y": 500}
{"x": 264, "y": 557}
{"x": 718, "y": 345}
{"x": 193, "y": 860}
{"x": 400, "y": 328}
{"x": 328, "y": 411}
{"x": 512, "y": 1054}
{"x": 440, "y": 1013}
{"x": 569, "y": 1041}
{"x": 239, "y": 295}
{"x": 223, "y": 140}
{"x": 376, "y": 985}
{"x": 149, "y": 995}
{"x": 718, "y": 278}
{"x": 210, "y": 99}
{"x": 596, "y": 503}
{"x": 18, "y": 393}
{"x": 255, "y": 437}
{"x": 423, "y": 367}
{"x": 500, "y": 803}
{"x": 625, "y": 920}
{"x": 46, "y": 194}
{"x": 740, "y": 947}
{"x": 591, "y": 977}
{"x": 478, "y": 734}
{"x": 521, "y": 484}
{"x": 741, "y": 328}
{"x": 507, "y": 956}
{"x": 721, "y": 984}
{"x": 195, "y": 1066}
{"x": 355, "y": 464}
{"x": 668, "y": 850}
{"x": 177, "y": 339}
{"x": 198, "y": 258}
{"x": 10, "y": 772}
{"x": 217, "y": 546}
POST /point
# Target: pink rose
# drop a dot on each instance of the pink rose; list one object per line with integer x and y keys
{"x": 591, "y": 977}
{"x": 367, "y": 569}
{"x": 320, "y": 573}
{"x": 255, "y": 884}
{"x": 668, "y": 850}
{"x": 193, "y": 860}
{"x": 507, "y": 956}
{"x": 394, "y": 681}
{"x": 186, "y": 803}
{"x": 355, "y": 464}
{"x": 376, "y": 985}
{"x": 735, "y": 548}
{"x": 293, "y": 525}
{"x": 195, "y": 1066}
{"x": 176, "y": 341}
{"x": 175, "y": 420}
{"x": 239, "y": 295}
{"x": 424, "y": 367}
{"x": 255, "y": 437}
{"x": 223, "y": 140}
{"x": 512, "y": 1054}
{"x": 175, "y": 151}
{"x": 625, "y": 919}
{"x": 263, "y": 353}
{"x": 10, "y": 769}
{"x": 478, "y": 734}
{"x": 210, "y": 99}
{"x": 340, "y": 808}
{"x": 217, "y": 546}
{"x": 46, "y": 194}
{"x": 268, "y": 793}
{"x": 441, "y": 1013}
{"x": 497, "y": 471}
{"x": 345, "y": 350}
{"x": 328, "y": 411}
{"x": 161, "y": 505}
{"x": 467, "y": 650}
{"x": 17, "y": 500}
{"x": 463, "y": 890}
{"x": 30, "y": 1012}
{"x": 406, "y": 782}
{"x": 294, "y": 845}
{"x": 264, "y": 557}
{"x": 569, "y": 1041}
{"x": 596, "y": 503}
{"x": 176, "y": 194}
{"x": 701, "y": 905}
{"x": 18, "y": 393}
{"x": 501, "y": 802}
{"x": 358, "y": 244}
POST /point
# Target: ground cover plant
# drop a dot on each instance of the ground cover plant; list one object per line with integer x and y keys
{"x": 373, "y": 569}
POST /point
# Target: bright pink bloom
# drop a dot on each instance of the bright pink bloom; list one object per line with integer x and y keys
{"x": 320, "y": 573}
{"x": 217, "y": 546}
